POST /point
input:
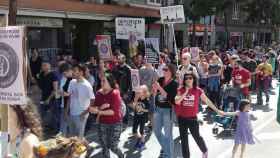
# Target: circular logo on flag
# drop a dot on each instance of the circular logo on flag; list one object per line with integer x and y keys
{"x": 9, "y": 65}
{"x": 103, "y": 48}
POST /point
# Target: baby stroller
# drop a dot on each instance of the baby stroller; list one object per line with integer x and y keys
{"x": 230, "y": 101}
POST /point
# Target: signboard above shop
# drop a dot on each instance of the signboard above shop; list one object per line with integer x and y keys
{"x": 40, "y": 22}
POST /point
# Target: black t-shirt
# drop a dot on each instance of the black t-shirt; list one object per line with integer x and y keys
{"x": 46, "y": 84}
{"x": 227, "y": 73}
{"x": 145, "y": 104}
{"x": 171, "y": 90}
{"x": 35, "y": 66}
{"x": 250, "y": 65}
{"x": 65, "y": 89}
{"x": 123, "y": 76}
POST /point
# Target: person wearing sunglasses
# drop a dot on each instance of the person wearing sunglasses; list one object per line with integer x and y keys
{"x": 164, "y": 91}
{"x": 187, "y": 108}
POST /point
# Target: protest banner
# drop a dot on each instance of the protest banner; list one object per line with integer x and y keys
{"x": 194, "y": 53}
{"x": 104, "y": 47}
{"x": 135, "y": 79}
{"x": 13, "y": 65}
{"x": 172, "y": 14}
{"x": 127, "y": 26}
{"x": 152, "y": 50}
{"x": 133, "y": 45}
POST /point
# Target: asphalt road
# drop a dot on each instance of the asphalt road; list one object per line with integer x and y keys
{"x": 266, "y": 130}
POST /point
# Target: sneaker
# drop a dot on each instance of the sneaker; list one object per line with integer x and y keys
{"x": 141, "y": 146}
{"x": 136, "y": 146}
{"x": 205, "y": 155}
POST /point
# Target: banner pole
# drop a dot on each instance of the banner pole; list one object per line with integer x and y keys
{"x": 175, "y": 46}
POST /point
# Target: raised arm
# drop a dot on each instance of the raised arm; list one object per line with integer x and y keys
{"x": 209, "y": 103}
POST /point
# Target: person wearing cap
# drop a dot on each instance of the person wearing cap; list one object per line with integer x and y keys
{"x": 241, "y": 78}
{"x": 264, "y": 74}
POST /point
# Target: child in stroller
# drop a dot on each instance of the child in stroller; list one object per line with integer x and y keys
{"x": 230, "y": 101}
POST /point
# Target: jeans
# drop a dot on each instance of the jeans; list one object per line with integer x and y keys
{"x": 163, "y": 125}
{"x": 109, "y": 137}
{"x": 63, "y": 123}
{"x": 192, "y": 124}
{"x": 263, "y": 87}
{"x": 77, "y": 125}
{"x": 50, "y": 114}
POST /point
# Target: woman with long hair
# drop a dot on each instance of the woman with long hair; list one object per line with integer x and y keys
{"x": 107, "y": 107}
{"x": 187, "y": 108}
{"x": 164, "y": 91}
{"x": 24, "y": 130}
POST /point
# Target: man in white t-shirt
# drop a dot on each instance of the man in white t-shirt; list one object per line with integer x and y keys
{"x": 81, "y": 96}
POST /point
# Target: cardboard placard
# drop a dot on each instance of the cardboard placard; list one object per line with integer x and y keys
{"x": 135, "y": 79}
{"x": 172, "y": 14}
{"x": 152, "y": 50}
{"x": 104, "y": 47}
{"x": 127, "y": 26}
{"x": 13, "y": 65}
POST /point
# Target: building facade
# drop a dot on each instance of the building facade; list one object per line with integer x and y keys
{"x": 70, "y": 26}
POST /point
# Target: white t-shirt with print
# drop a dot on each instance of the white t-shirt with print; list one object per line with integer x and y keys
{"x": 80, "y": 95}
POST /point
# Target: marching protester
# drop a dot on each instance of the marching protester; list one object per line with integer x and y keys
{"x": 81, "y": 97}
{"x": 25, "y": 130}
{"x": 241, "y": 77}
{"x": 107, "y": 107}
{"x": 187, "y": 108}
{"x": 48, "y": 83}
{"x": 165, "y": 91}
{"x": 35, "y": 63}
{"x": 251, "y": 66}
{"x": 264, "y": 75}
{"x": 122, "y": 74}
{"x": 185, "y": 67}
{"x": 64, "y": 82}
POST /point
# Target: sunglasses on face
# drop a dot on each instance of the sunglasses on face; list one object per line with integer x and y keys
{"x": 165, "y": 69}
{"x": 184, "y": 58}
{"x": 188, "y": 78}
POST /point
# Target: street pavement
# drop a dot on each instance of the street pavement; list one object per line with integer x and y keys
{"x": 266, "y": 131}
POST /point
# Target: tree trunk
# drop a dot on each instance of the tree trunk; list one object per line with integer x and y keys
{"x": 12, "y": 12}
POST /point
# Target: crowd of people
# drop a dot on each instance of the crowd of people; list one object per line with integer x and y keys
{"x": 74, "y": 94}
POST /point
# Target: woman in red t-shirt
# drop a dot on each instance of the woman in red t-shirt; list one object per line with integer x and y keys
{"x": 187, "y": 108}
{"x": 107, "y": 107}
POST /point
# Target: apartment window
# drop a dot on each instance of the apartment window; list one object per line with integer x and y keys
{"x": 235, "y": 11}
{"x": 154, "y": 2}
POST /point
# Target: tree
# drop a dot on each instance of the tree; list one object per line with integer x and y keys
{"x": 264, "y": 12}
{"x": 194, "y": 10}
